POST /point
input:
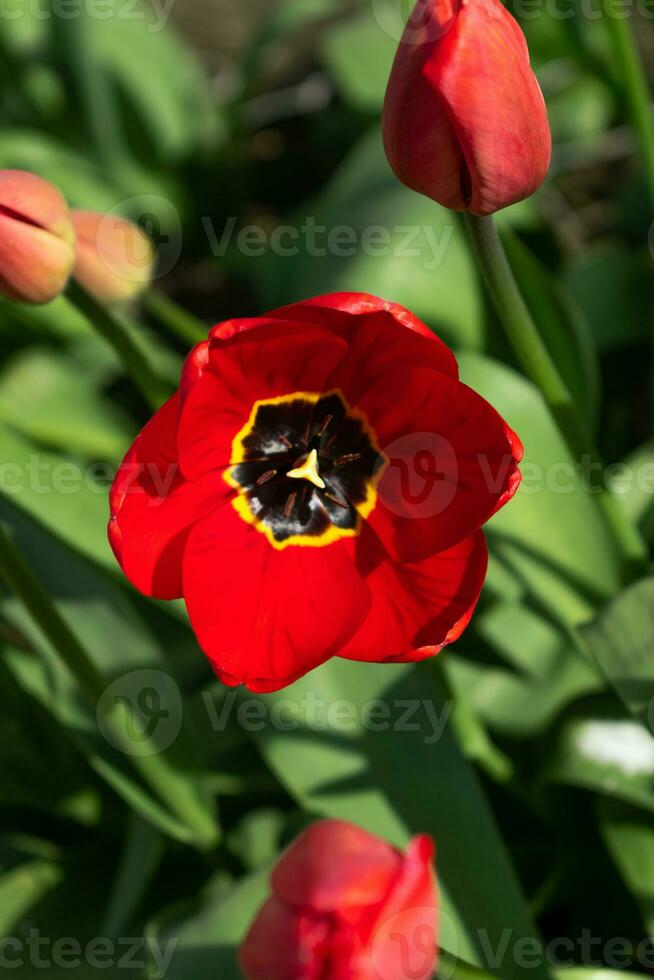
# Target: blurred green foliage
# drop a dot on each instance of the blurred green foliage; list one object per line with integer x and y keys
{"x": 540, "y": 792}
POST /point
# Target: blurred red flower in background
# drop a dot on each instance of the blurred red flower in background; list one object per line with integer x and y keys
{"x": 114, "y": 257}
{"x": 37, "y": 239}
{"x": 316, "y": 489}
{"x": 346, "y": 904}
{"x": 464, "y": 119}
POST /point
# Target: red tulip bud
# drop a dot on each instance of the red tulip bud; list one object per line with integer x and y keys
{"x": 464, "y": 118}
{"x": 36, "y": 238}
{"x": 115, "y": 259}
{"x": 346, "y": 904}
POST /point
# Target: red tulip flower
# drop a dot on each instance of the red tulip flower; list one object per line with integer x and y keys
{"x": 37, "y": 239}
{"x": 464, "y": 119}
{"x": 346, "y": 906}
{"x": 114, "y": 259}
{"x": 316, "y": 488}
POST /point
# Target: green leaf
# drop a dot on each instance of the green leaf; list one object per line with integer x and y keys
{"x": 551, "y": 535}
{"x": 633, "y": 484}
{"x": 35, "y": 399}
{"x": 603, "y": 282}
{"x": 602, "y": 751}
{"x": 363, "y": 84}
{"x": 158, "y": 75}
{"x": 419, "y": 251}
{"x": 64, "y": 494}
{"x": 80, "y": 181}
{"x": 541, "y": 673}
{"x": 22, "y": 888}
{"x": 629, "y": 836}
{"x": 126, "y": 652}
{"x": 207, "y": 937}
{"x": 370, "y": 743}
{"x": 621, "y": 639}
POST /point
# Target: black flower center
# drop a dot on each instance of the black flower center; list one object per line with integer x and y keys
{"x": 306, "y": 467}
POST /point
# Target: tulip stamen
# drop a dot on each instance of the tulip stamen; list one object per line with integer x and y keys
{"x": 290, "y": 504}
{"x": 265, "y": 477}
{"x": 324, "y": 424}
{"x": 347, "y": 458}
{"x": 337, "y": 500}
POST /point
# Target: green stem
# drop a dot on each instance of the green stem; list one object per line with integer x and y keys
{"x": 539, "y": 366}
{"x": 179, "y": 321}
{"x": 632, "y": 78}
{"x": 156, "y": 770}
{"x": 153, "y": 388}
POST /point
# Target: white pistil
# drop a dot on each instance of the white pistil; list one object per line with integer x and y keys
{"x": 308, "y": 471}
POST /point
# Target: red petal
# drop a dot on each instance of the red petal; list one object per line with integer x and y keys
{"x": 283, "y": 944}
{"x": 417, "y": 608}
{"x": 362, "y": 330}
{"x": 378, "y": 345}
{"x": 264, "y": 616}
{"x": 452, "y": 461}
{"x": 334, "y": 866}
{"x": 403, "y": 938}
{"x": 267, "y": 361}
{"x": 464, "y": 118}
{"x": 152, "y": 508}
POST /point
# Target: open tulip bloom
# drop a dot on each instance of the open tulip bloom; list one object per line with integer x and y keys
{"x": 345, "y": 905}
{"x": 464, "y": 119}
{"x": 316, "y": 488}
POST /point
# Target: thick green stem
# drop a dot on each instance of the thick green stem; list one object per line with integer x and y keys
{"x": 178, "y": 320}
{"x": 155, "y": 769}
{"x": 539, "y": 366}
{"x": 153, "y": 388}
{"x": 632, "y": 78}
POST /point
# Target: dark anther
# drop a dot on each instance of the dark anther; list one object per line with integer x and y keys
{"x": 337, "y": 500}
{"x": 285, "y": 442}
{"x": 268, "y": 475}
{"x": 323, "y": 425}
{"x": 347, "y": 458}
{"x": 290, "y": 504}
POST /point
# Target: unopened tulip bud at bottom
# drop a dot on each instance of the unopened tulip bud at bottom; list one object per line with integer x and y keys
{"x": 115, "y": 259}
{"x": 464, "y": 118}
{"x": 37, "y": 238}
{"x": 345, "y": 905}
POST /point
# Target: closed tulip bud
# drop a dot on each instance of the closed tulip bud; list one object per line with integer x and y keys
{"x": 346, "y": 904}
{"x": 36, "y": 238}
{"x": 115, "y": 259}
{"x": 464, "y": 119}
